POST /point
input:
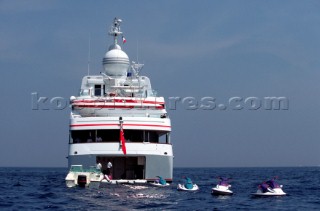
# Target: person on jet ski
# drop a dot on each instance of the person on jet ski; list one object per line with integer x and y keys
{"x": 273, "y": 184}
{"x": 223, "y": 181}
{"x": 161, "y": 181}
{"x": 264, "y": 187}
{"x": 188, "y": 184}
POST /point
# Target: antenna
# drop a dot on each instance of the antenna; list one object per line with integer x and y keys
{"x": 89, "y": 54}
{"x": 136, "y": 66}
{"x": 137, "y": 50}
{"x": 115, "y": 30}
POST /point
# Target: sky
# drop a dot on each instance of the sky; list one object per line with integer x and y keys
{"x": 218, "y": 53}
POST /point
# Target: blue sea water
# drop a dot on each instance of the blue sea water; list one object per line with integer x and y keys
{"x": 44, "y": 189}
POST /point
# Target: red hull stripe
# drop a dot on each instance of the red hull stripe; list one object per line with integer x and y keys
{"x": 141, "y": 125}
{"x": 114, "y": 106}
{"x": 117, "y": 101}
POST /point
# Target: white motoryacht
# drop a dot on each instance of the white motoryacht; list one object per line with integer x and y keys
{"x": 118, "y": 118}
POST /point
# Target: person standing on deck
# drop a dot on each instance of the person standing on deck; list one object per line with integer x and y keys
{"x": 109, "y": 166}
{"x": 98, "y": 166}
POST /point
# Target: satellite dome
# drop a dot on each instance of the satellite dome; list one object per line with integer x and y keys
{"x": 116, "y": 62}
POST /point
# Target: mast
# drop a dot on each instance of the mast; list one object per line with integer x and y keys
{"x": 115, "y": 30}
{"x": 116, "y": 62}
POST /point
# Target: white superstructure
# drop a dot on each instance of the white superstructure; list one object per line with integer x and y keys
{"x": 119, "y": 99}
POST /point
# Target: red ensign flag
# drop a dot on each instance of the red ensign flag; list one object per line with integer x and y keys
{"x": 123, "y": 141}
{"x": 124, "y": 40}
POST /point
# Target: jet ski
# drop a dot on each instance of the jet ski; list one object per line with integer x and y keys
{"x": 160, "y": 182}
{"x": 222, "y": 188}
{"x": 188, "y": 185}
{"x": 270, "y": 188}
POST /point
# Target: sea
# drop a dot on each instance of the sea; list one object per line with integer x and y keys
{"x": 45, "y": 189}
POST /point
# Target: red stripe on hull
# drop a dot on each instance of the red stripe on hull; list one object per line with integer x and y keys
{"x": 114, "y": 106}
{"x": 144, "y": 125}
{"x": 117, "y": 101}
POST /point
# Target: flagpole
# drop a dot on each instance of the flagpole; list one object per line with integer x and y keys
{"x": 121, "y": 129}
{"x": 122, "y": 139}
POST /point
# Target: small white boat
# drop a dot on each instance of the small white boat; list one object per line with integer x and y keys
{"x": 222, "y": 188}
{"x": 78, "y": 176}
{"x": 270, "y": 188}
{"x": 188, "y": 186}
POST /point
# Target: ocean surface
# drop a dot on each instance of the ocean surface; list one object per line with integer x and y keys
{"x": 44, "y": 189}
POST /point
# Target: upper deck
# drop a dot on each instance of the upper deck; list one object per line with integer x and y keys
{"x": 133, "y": 123}
{"x": 126, "y": 96}
{"x": 119, "y": 90}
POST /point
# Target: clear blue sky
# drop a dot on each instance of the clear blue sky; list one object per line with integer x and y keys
{"x": 219, "y": 49}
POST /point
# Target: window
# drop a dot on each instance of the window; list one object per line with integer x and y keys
{"x": 82, "y": 136}
{"x": 97, "y": 90}
{"x": 84, "y": 92}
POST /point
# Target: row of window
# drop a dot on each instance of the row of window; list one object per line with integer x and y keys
{"x": 87, "y": 136}
{"x": 100, "y": 90}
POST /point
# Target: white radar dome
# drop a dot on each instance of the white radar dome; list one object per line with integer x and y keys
{"x": 116, "y": 62}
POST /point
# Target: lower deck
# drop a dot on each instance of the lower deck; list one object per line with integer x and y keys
{"x": 133, "y": 167}
{"x": 123, "y": 167}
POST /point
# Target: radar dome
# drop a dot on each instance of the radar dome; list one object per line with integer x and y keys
{"x": 116, "y": 62}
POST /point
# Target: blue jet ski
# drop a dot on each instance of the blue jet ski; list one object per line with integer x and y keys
{"x": 188, "y": 185}
{"x": 160, "y": 182}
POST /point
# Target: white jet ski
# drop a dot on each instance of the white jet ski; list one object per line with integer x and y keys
{"x": 222, "y": 188}
{"x": 159, "y": 185}
{"x": 270, "y": 188}
{"x": 160, "y": 182}
{"x": 188, "y": 186}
